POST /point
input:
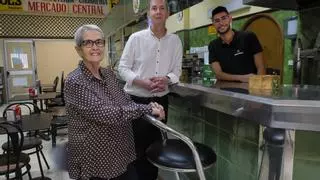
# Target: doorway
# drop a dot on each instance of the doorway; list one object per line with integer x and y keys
{"x": 19, "y": 64}
{"x": 271, "y": 38}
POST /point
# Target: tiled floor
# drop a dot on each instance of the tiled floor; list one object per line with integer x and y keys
{"x": 54, "y": 173}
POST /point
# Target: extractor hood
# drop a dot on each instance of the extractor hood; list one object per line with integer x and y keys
{"x": 284, "y": 4}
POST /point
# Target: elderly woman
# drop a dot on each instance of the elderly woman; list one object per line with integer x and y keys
{"x": 101, "y": 144}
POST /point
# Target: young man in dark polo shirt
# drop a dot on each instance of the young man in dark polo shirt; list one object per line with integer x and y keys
{"x": 235, "y": 55}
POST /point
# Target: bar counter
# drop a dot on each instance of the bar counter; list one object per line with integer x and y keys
{"x": 290, "y": 107}
{"x": 256, "y": 134}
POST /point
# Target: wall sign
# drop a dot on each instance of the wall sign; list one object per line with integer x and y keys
{"x": 114, "y": 3}
{"x": 96, "y": 8}
{"x": 212, "y": 30}
{"x": 136, "y": 6}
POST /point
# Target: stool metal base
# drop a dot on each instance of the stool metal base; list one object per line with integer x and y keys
{"x": 176, "y": 174}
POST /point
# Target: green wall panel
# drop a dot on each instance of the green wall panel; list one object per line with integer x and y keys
{"x": 307, "y": 156}
{"x": 237, "y": 150}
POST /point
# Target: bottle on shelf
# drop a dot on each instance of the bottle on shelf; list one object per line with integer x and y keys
{"x": 208, "y": 78}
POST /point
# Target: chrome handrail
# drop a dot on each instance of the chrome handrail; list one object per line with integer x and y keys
{"x": 185, "y": 139}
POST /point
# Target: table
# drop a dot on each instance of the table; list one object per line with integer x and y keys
{"x": 40, "y": 97}
{"x": 33, "y": 122}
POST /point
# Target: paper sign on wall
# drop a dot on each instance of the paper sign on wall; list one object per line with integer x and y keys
{"x": 20, "y": 81}
{"x": 19, "y": 61}
{"x": 212, "y": 30}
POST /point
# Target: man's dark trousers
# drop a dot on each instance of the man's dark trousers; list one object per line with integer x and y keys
{"x": 144, "y": 135}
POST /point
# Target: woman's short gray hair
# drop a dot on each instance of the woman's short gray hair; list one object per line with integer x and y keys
{"x": 78, "y": 36}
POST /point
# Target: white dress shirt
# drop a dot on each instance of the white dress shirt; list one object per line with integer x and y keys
{"x": 146, "y": 56}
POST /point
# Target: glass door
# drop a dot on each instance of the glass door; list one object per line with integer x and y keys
{"x": 20, "y": 66}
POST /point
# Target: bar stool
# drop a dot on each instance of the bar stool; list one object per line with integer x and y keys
{"x": 273, "y": 151}
{"x": 179, "y": 155}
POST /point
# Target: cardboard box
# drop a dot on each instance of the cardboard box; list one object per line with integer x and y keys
{"x": 266, "y": 82}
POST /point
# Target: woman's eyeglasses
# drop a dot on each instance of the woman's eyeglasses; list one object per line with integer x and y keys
{"x": 90, "y": 43}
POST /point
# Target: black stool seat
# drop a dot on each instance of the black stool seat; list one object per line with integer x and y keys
{"x": 28, "y": 143}
{"x": 174, "y": 153}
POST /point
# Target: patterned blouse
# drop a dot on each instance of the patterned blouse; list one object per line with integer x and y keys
{"x": 100, "y": 135}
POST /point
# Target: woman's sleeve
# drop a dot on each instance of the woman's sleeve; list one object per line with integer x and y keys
{"x": 86, "y": 103}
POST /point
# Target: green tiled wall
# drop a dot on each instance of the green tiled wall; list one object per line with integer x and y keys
{"x": 307, "y": 156}
{"x": 184, "y": 37}
{"x": 234, "y": 140}
{"x": 199, "y": 37}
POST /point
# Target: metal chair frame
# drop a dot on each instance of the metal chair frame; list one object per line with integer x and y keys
{"x": 16, "y": 152}
{"x": 188, "y": 141}
{"x": 38, "y": 147}
{"x": 51, "y": 88}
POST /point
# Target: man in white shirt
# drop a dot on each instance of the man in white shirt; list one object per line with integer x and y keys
{"x": 151, "y": 61}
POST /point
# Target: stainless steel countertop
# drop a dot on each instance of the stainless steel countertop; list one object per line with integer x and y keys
{"x": 292, "y": 107}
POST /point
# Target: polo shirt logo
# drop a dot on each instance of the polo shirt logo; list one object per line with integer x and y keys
{"x": 238, "y": 53}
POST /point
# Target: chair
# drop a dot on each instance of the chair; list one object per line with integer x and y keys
{"x": 59, "y": 100}
{"x": 29, "y": 143}
{"x": 50, "y": 87}
{"x": 13, "y": 162}
{"x": 59, "y": 121}
{"x": 56, "y": 106}
{"x": 179, "y": 155}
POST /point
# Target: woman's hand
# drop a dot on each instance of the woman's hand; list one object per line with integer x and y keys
{"x": 157, "y": 110}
